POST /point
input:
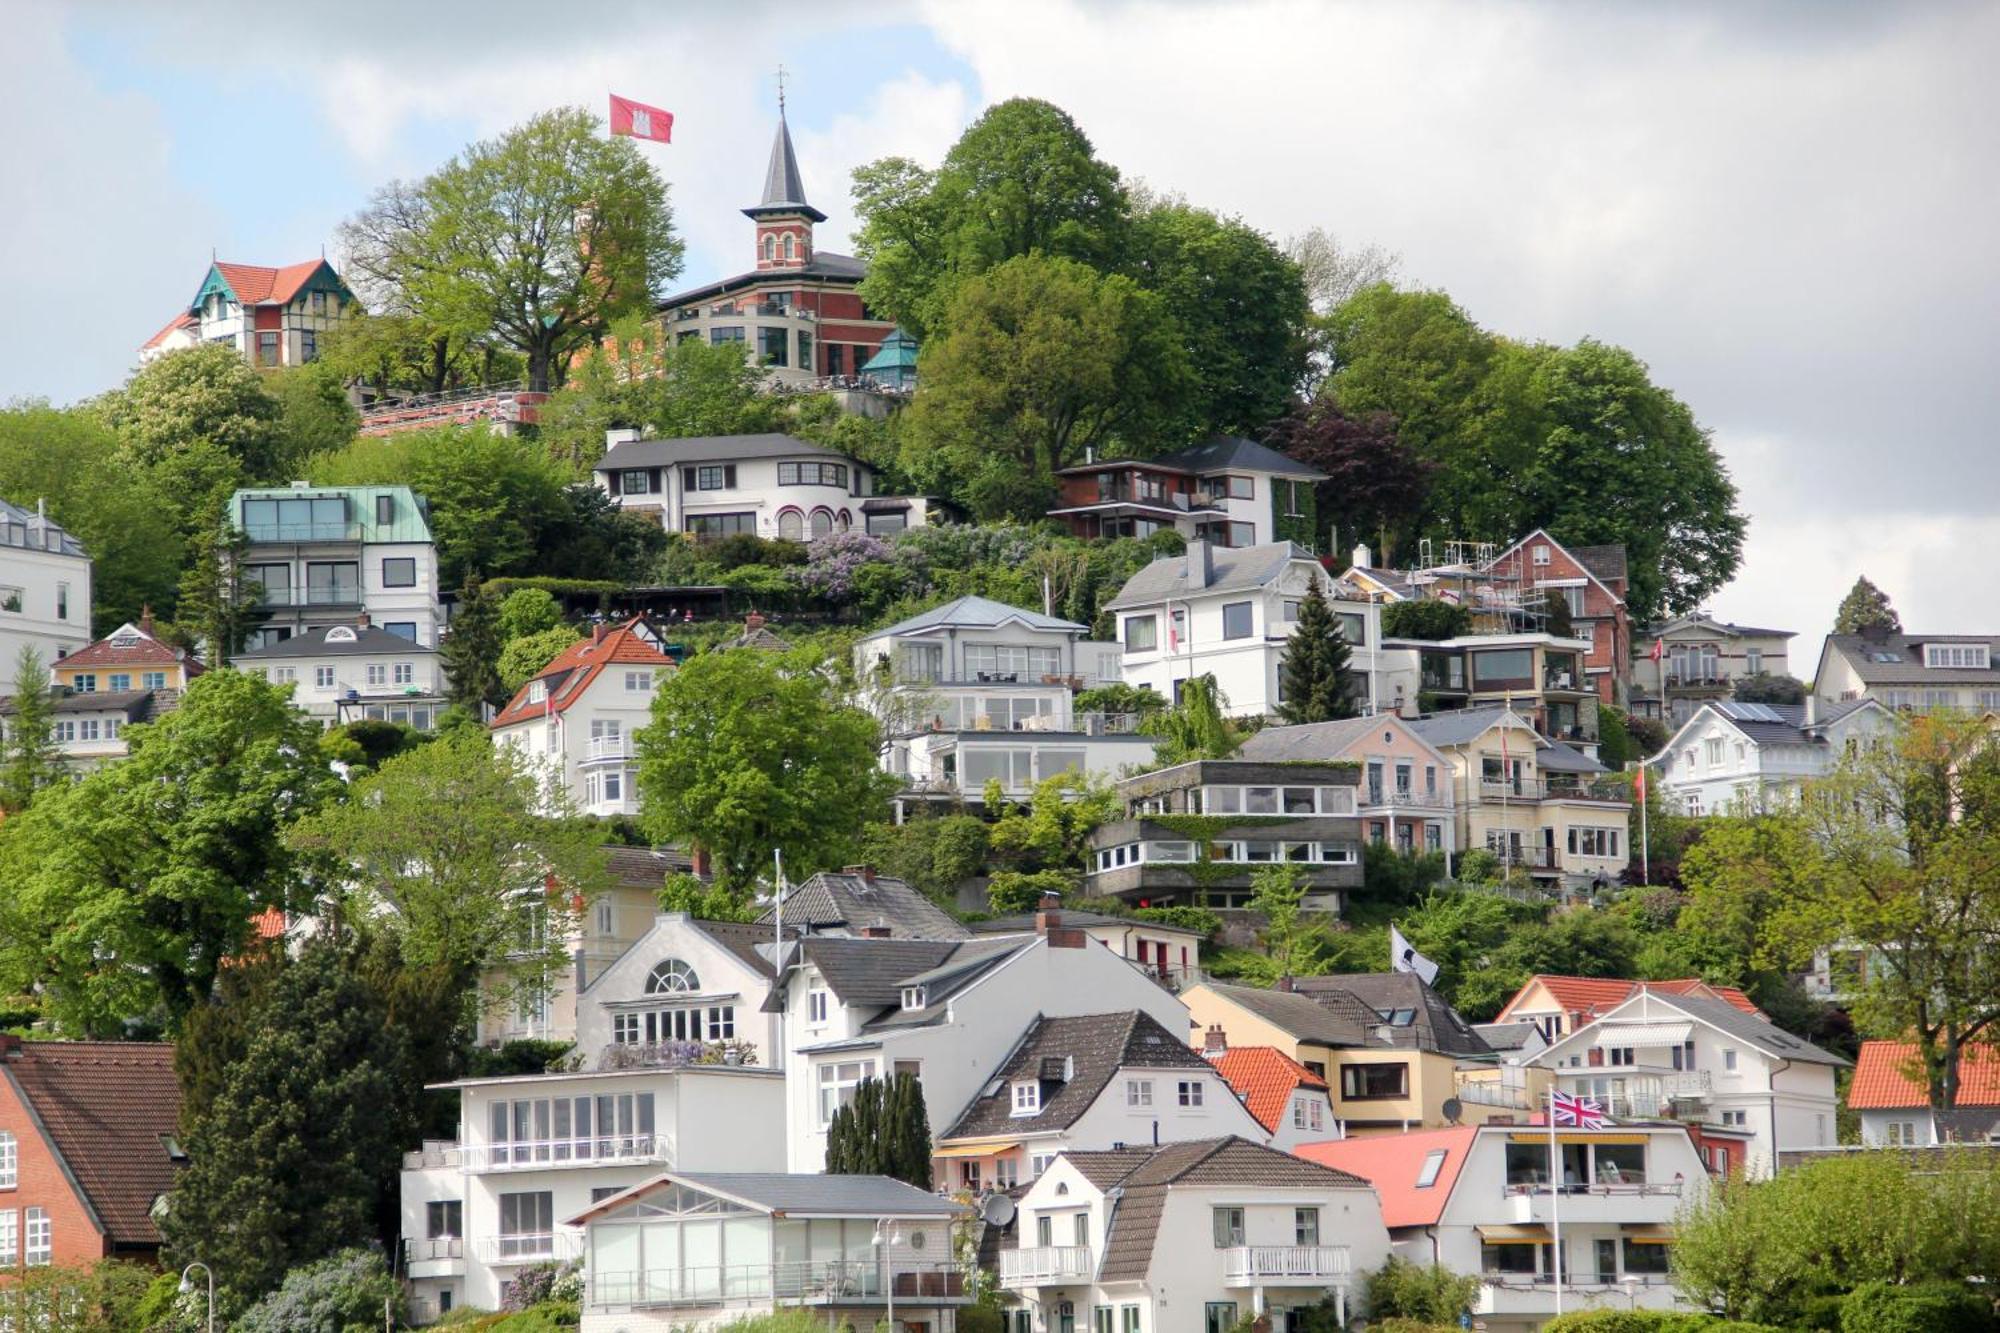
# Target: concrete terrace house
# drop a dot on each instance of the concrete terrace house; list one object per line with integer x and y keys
{"x": 1227, "y": 612}
{"x": 326, "y": 555}
{"x": 44, "y": 589}
{"x": 976, "y": 690}
{"x": 271, "y": 316}
{"x": 1756, "y": 757}
{"x": 1700, "y": 660}
{"x": 1190, "y": 1238}
{"x": 1700, "y": 1059}
{"x": 1289, "y": 1101}
{"x": 351, "y": 673}
{"x": 1911, "y": 672}
{"x": 1889, "y": 1097}
{"x": 579, "y": 714}
{"x": 1477, "y": 1199}
{"x": 1537, "y": 675}
{"x": 770, "y": 486}
{"x": 1407, "y": 797}
{"x": 88, "y": 1146}
{"x": 1301, "y": 813}
{"x": 1086, "y": 1082}
{"x": 1229, "y": 491}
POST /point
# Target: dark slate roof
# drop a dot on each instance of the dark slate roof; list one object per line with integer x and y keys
{"x": 1014, "y": 925}
{"x": 1230, "y": 569}
{"x": 646, "y": 867}
{"x": 831, "y": 901}
{"x": 106, "y": 1106}
{"x": 1095, "y": 1046}
{"x": 710, "y": 449}
{"x": 824, "y": 266}
{"x": 136, "y": 705}
{"x": 1975, "y": 1124}
{"x": 979, "y": 613}
{"x": 1434, "y": 1025}
{"x": 1908, "y": 651}
{"x": 1301, "y": 1016}
{"x": 742, "y": 939}
{"x": 1225, "y": 452}
{"x": 1560, "y": 758}
{"x": 1748, "y": 1027}
{"x": 1506, "y": 1036}
{"x": 784, "y": 189}
{"x": 1641, "y": 634}
{"x": 874, "y": 972}
{"x": 16, "y": 522}
{"x": 371, "y": 641}
{"x": 1607, "y": 562}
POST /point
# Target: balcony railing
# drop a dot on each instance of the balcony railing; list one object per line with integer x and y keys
{"x": 830, "y": 1282}
{"x": 609, "y": 747}
{"x": 1697, "y": 680}
{"x": 1493, "y": 792}
{"x": 436, "y": 1154}
{"x": 1531, "y": 856}
{"x": 1284, "y": 1263}
{"x": 1571, "y": 681}
{"x": 1598, "y": 1188}
{"x": 425, "y": 1249}
{"x": 556, "y": 1154}
{"x": 1490, "y": 1093}
{"x": 343, "y": 531}
{"x": 1428, "y": 800}
{"x": 1036, "y": 1265}
{"x": 528, "y": 1247}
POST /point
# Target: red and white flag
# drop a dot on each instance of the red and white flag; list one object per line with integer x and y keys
{"x": 641, "y": 121}
{"x": 1582, "y": 1112}
{"x": 1659, "y": 647}
{"x": 1639, "y": 784}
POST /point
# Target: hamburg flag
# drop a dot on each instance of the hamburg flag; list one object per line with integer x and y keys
{"x": 641, "y": 121}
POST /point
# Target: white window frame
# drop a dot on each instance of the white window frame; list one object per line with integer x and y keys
{"x": 1189, "y": 1093}
{"x": 10, "y": 1161}
{"x": 1138, "y": 1092}
{"x": 38, "y": 1238}
{"x": 1027, "y": 1095}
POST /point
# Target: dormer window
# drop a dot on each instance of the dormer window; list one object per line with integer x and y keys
{"x": 1027, "y": 1098}
{"x": 537, "y": 691}
{"x": 341, "y": 634}
{"x": 1976, "y": 656}
{"x": 914, "y": 997}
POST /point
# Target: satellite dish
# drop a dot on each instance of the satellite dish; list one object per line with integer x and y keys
{"x": 1452, "y": 1109}
{"x": 998, "y": 1210}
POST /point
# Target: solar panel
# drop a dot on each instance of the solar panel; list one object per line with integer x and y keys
{"x": 1749, "y": 712}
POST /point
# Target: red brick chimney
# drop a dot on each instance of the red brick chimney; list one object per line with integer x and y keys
{"x": 877, "y": 932}
{"x": 866, "y": 874}
{"x": 752, "y": 623}
{"x": 598, "y": 631}
{"x": 698, "y": 862}
{"x": 146, "y": 620}
{"x": 1284, "y": 985}
{"x": 1048, "y": 924}
{"x": 1214, "y": 1041}
{"x": 10, "y": 1046}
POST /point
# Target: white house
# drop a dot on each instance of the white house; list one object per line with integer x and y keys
{"x": 1190, "y": 1236}
{"x": 1227, "y": 612}
{"x": 1915, "y": 672}
{"x": 1755, "y": 757}
{"x": 769, "y": 486}
{"x": 1889, "y": 1097}
{"x": 976, "y": 690}
{"x": 44, "y": 590}
{"x": 351, "y": 673}
{"x": 692, "y": 1251}
{"x": 685, "y": 980}
{"x": 1171, "y": 953}
{"x": 1682, "y": 663}
{"x": 535, "y": 1150}
{"x": 1476, "y": 1199}
{"x": 327, "y": 555}
{"x": 1291, "y": 1103}
{"x": 1702, "y": 1059}
{"x": 579, "y": 714}
{"x": 1088, "y": 1081}
{"x": 947, "y": 1011}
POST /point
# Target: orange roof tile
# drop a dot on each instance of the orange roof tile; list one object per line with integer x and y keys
{"x": 184, "y": 320}
{"x": 574, "y": 669}
{"x": 1265, "y": 1078}
{"x": 254, "y": 284}
{"x": 141, "y": 650}
{"x": 1592, "y": 996}
{"x": 1888, "y": 1077}
{"x": 1392, "y": 1163}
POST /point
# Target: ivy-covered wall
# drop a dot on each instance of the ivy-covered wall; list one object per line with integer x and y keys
{"x": 1295, "y": 522}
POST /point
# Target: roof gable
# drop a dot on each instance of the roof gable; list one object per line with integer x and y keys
{"x": 1089, "y": 1050}
{"x": 1265, "y": 1078}
{"x": 1614, "y": 568}
{"x": 576, "y": 668}
{"x": 1888, "y": 1077}
{"x": 979, "y": 613}
{"x": 1718, "y": 1015}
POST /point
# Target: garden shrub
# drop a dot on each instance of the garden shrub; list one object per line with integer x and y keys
{"x": 1921, "y": 1307}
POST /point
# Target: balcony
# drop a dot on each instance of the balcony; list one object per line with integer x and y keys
{"x": 435, "y": 1155}
{"x": 343, "y": 531}
{"x": 1623, "y": 1201}
{"x": 608, "y": 747}
{"x": 1697, "y": 680}
{"x": 430, "y": 1249}
{"x": 1385, "y": 798}
{"x": 1046, "y": 1265}
{"x": 561, "y": 1154}
{"x": 1562, "y": 681}
{"x": 1245, "y": 1264}
{"x": 528, "y": 1247}
{"x": 1490, "y": 1092}
{"x": 1528, "y": 856}
{"x": 829, "y": 1282}
{"x": 340, "y": 594}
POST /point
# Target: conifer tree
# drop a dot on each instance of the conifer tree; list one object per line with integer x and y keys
{"x": 1864, "y": 608}
{"x": 1314, "y": 670}
{"x": 30, "y": 758}
{"x": 471, "y": 651}
{"x": 883, "y": 1131}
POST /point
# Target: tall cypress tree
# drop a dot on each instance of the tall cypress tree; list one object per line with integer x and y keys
{"x": 31, "y": 760}
{"x": 471, "y": 651}
{"x": 884, "y": 1131}
{"x": 1314, "y": 670}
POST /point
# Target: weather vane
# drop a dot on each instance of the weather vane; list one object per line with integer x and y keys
{"x": 781, "y": 90}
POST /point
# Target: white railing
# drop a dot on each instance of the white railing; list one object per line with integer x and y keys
{"x": 1482, "y": 1092}
{"x": 424, "y": 1249}
{"x": 609, "y": 747}
{"x": 434, "y": 1155}
{"x": 556, "y": 1154}
{"x": 1600, "y": 1188}
{"x": 1036, "y": 1264}
{"x": 832, "y": 1281}
{"x": 1421, "y": 800}
{"x": 1306, "y": 1263}
{"x": 1688, "y": 1083}
{"x": 528, "y": 1247}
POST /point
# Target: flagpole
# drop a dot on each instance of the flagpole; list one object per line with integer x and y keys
{"x": 1555, "y": 1200}
{"x": 1645, "y": 837}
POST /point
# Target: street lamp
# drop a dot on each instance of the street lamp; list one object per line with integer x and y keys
{"x": 883, "y": 1246}
{"x": 187, "y": 1285}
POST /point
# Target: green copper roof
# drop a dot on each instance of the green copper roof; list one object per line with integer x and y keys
{"x": 899, "y": 352}
{"x": 362, "y": 516}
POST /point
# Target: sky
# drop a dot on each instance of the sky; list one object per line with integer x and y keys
{"x": 1786, "y": 210}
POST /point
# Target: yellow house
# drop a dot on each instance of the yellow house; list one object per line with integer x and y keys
{"x": 126, "y": 660}
{"x": 1388, "y": 1047}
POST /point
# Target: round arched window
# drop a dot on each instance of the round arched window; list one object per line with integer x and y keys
{"x": 792, "y": 525}
{"x": 788, "y": 245}
{"x": 671, "y": 977}
{"x": 770, "y": 246}
{"x": 843, "y": 520}
{"x": 822, "y": 522}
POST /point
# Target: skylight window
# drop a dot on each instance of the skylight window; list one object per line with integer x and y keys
{"x": 1433, "y": 1163}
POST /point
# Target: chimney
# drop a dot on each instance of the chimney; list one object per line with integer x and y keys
{"x": 875, "y": 932}
{"x": 361, "y": 621}
{"x": 1200, "y": 568}
{"x": 1214, "y": 1041}
{"x": 1362, "y": 556}
{"x": 699, "y": 862}
{"x": 1048, "y": 924}
{"x": 146, "y": 620}
{"x": 598, "y": 631}
{"x": 752, "y": 623}
{"x": 1284, "y": 986}
{"x": 866, "y": 874}
{"x": 625, "y": 435}
{"x": 10, "y": 1046}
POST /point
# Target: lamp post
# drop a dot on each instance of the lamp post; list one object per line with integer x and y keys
{"x": 187, "y": 1285}
{"x": 884, "y": 1247}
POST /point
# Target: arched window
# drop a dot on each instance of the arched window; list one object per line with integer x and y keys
{"x": 791, "y": 525}
{"x": 843, "y": 520}
{"x": 672, "y": 978}
{"x": 770, "y": 246}
{"x": 10, "y": 1161}
{"x": 788, "y": 245}
{"x": 822, "y": 522}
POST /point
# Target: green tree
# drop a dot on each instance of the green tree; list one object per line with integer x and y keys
{"x": 217, "y": 603}
{"x": 1040, "y": 359}
{"x": 1765, "y": 688}
{"x": 541, "y": 238}
{"x": 933, "y": 853}
{"x": 106, "y": 1297}
{"x": 1377, "y": 485}
{"x": 1278, "y": 894}
{"x": 1194, "y": 728}
{"x": 1318, "y": 686}
{"x": 29, "y": 760}
{"x": 527, "y": 611}
{"x": 748, "y": 752}
{"x": 1053, "y": 830}
{"x": 314, "y": 414}
{"x": 200, "y": 395}
{"x": 345, "y": 1291}
{"x": 1431, "y": 1294}
{"x": 665, "y": 390}
{"x": 471, "y": 651}
{"x": 1614, "y": 743}
{"x": 1023, "y": 179}
{"x": 1866, "y": 607}
{"x": 706, "y": 902}
{"x": 523, "y": 658}
{"x": 1011, "y": 892}
{"x": 883, "y": 1131}
{"x": 303, "y": 1138}
{"x": 1430, "y": 619}
{"x": 130, "y": 887}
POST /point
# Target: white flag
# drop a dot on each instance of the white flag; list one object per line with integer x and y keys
{"x": 1403, "y": 958}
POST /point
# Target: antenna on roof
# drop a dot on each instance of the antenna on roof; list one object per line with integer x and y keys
{"x": 781, "y": 92}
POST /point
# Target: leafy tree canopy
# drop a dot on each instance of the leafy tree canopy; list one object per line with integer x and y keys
{"x": 1430, "y": 619}
{"x": 666, "y": 390}
{"x": 1376, "y": 486}
{"x": 1194, "y": 728}
{"x": 522, "y": 659}
{"x": 206, "y": 394}
{"x": 1765, "y": 688}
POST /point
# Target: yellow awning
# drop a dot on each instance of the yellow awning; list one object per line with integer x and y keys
{"x": 1648, "y": 1233}
{"x": 1571, "y": 1136}
{"x": 974, "y": 1150}
{"x": 1512, "y": 1235}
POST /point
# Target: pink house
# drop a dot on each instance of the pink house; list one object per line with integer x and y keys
{"x": 1406, "y": 782}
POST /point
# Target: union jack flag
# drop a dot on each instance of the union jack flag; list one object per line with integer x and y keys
{"x": 1582, "y": 1112}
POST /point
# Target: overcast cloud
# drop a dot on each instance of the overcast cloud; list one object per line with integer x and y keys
{"x": 1785, "y": 210}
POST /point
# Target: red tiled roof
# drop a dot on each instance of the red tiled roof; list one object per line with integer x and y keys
{"x": 145, "y": 650}
{"x": 104, "y": 1106}
{"x": 1392, "y": 1164}
{"x": 1265, "y": 1077}
{"x": 1592, "y": 996}
{"x": 571, "y": 673}
{"x": 268, "y": 924}
{"x": 184, "y": 320}
{"x": 1888, "y": 1077}
{"x": 255, "y": 284}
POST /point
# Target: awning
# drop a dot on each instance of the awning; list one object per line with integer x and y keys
{"x": 1513, "y": 1235}
{"x": 1643, "y": 1034}
{"x": 894, "y": 504}
{"x": 974, "y": 1150}
{"x": 1648, "y": 1233}
{"x": 1573, "y": 1136}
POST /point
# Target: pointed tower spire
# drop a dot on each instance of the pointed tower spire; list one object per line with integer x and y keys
{"x": 784, "y": 190}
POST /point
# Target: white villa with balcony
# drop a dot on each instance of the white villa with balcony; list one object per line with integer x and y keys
{"x": 1756, "y": 757}
{"x": 1477, "y": 1199}
{"x": 1704, "y": 1060}
{"x": 579, "y": 715}
{"x": 44, "y": 590}
{"x": 328, "y": 555}
{"x": 696, "y": 1250}
{"x": 354, "y": 673}
{"x": 535, "y": 1150}
{"x": 685, "y": 981}
{"x": 976, "y": 690}
{"x": 1189, "y": 1238}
